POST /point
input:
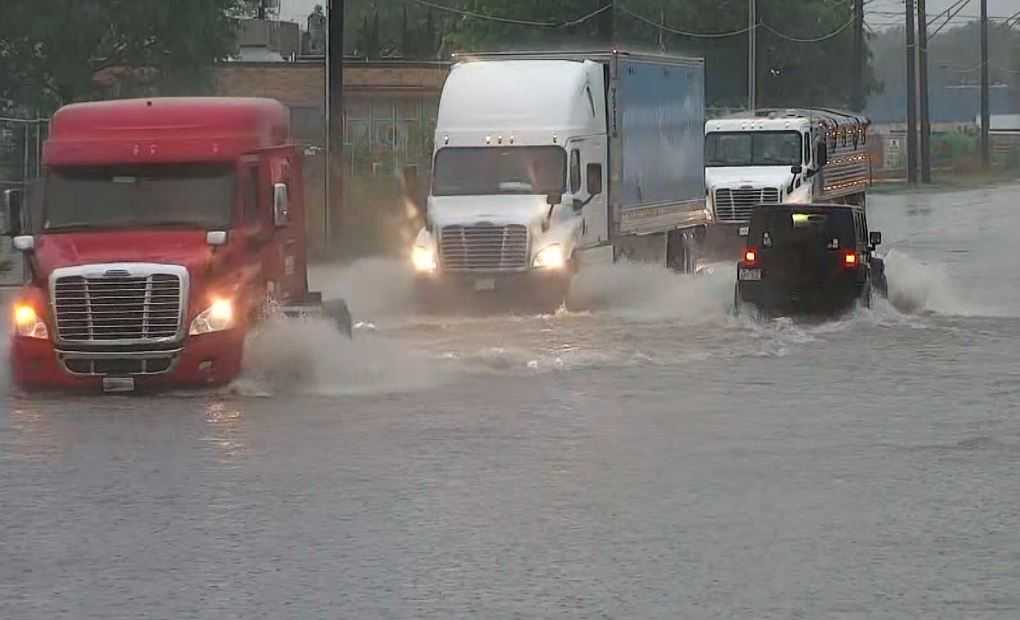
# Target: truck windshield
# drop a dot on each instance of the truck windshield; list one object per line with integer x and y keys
{"x": 196, "y": 195}
{"x": 470, "y": 171}
{"x": 756, "y": 148}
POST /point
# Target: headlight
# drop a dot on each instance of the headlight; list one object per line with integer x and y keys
{"x": 216, "y": 318}
{"x": 550, "y": 258}
{"x": 28, "y": 324}
{"x": 423, "y": 259}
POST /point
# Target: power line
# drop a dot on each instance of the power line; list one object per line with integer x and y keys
{"x": 510, "y": 20}
{"x": 697, "y": 35}
{"x": 835, "y": 33}
{"x": 949, "y": 19}
{"x": 733, "y": 33}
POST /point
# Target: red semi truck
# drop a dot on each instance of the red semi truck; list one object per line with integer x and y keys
{"x": 161, "y": 232}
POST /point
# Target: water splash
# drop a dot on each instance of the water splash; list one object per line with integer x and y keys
{"x": 645, "y": 292}
{"x": 374, "y": 288}
{"x": 309, "y": 356}
{"x": 917, "y": 287}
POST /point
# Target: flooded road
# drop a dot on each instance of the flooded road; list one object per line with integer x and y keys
{"x": 648, "y": 456}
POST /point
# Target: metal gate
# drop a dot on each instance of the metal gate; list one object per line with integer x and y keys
{"x": 21, "y": 143}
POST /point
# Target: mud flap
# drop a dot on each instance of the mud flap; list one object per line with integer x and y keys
{"x": 313, "y": 306}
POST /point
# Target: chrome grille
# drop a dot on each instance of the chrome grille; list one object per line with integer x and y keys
{"x": 483, "y": 247}
{"x": 117, "y": 306}
{"x": 734, "y": 205}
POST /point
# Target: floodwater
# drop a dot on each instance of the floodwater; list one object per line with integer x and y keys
{"x": 646, "y": 456}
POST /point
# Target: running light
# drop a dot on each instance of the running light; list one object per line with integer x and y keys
{"x": 750, "y": 256}
{"x": 850, "y": 259}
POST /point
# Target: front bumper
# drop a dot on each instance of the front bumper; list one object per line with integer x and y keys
{"x": 535, "y": 287}
{"x": 206, "y": 360}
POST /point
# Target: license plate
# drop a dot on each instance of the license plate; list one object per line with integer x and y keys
{"x": 118, "y": 384}
{"x": 749, "y": 274}
{"x": 485, "y": 284}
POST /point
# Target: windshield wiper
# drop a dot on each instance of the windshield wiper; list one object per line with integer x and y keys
{"x": 72, "y": 226}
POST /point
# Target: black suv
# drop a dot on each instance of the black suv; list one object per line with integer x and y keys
{"x": 808, "y": 259}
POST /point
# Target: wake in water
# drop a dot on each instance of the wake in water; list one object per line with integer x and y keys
{"x": 917, "y": 287}
{"x": 645, "y": 292}
{"x": 310, "y": 356}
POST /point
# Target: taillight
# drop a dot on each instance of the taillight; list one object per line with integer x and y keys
{"x": 751, "y": 256}
{"x": 850, "y": 259}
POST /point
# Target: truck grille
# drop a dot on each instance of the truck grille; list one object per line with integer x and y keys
{"x": 118, "y": 307}
{"x": 734, "y": 205}
{"x": 484, "y": 247}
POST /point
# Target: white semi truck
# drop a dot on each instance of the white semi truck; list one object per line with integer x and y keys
{"x": 784, "y": 155}
{"x": 545, "y": 162}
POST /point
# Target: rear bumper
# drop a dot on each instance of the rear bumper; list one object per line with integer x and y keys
{"x": 826, "y": 298}
{"x": 206, "y": 360}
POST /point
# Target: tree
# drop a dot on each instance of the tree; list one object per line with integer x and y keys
{"x": 53, "y": 52}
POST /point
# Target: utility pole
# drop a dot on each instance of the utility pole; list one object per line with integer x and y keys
{"x": 986, "y": 144}
{"x": 911, "y": 96}
{"x": 752, "y": 58}
{"x": 334, "y": 167}
{"x": 922, "y": 58}
{"x": 857, "y": 99}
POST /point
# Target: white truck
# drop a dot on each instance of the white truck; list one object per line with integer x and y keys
{"x": 783, "y": 155}
{"x": 520, "y": 195}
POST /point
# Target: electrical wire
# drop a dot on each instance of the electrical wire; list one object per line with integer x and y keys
{"x": 697, "y": 35}
{"x": 825, "y": 37}
{"x": 948, "y": 19}
{"x": 510, "y": 20}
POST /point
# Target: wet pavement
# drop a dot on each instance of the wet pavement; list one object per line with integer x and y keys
{"x": 646, "y": 456}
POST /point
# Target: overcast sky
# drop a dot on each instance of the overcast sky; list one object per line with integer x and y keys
{"x": 298, "y": 10}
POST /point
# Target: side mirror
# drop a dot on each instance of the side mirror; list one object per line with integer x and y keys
{"x": 13, "y": 202}
{"x": 796, "y": 169}
{"x": 554, "y": 199}
{"x": 875, "y": 238}
{"x": 24, "y": 243}
{"x": 594, "y": 179}
{"x": 281, "y": 205}
{"x": 823, "y": 155}
{"x": 216, "y": 238}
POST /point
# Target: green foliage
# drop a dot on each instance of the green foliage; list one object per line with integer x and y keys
{"x": 54, "y": 52}
{"x": 789, "y": 72}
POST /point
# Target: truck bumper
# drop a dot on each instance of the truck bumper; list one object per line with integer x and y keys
{"x": 540, "y": 290}
{"x": 206, "y": 360}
